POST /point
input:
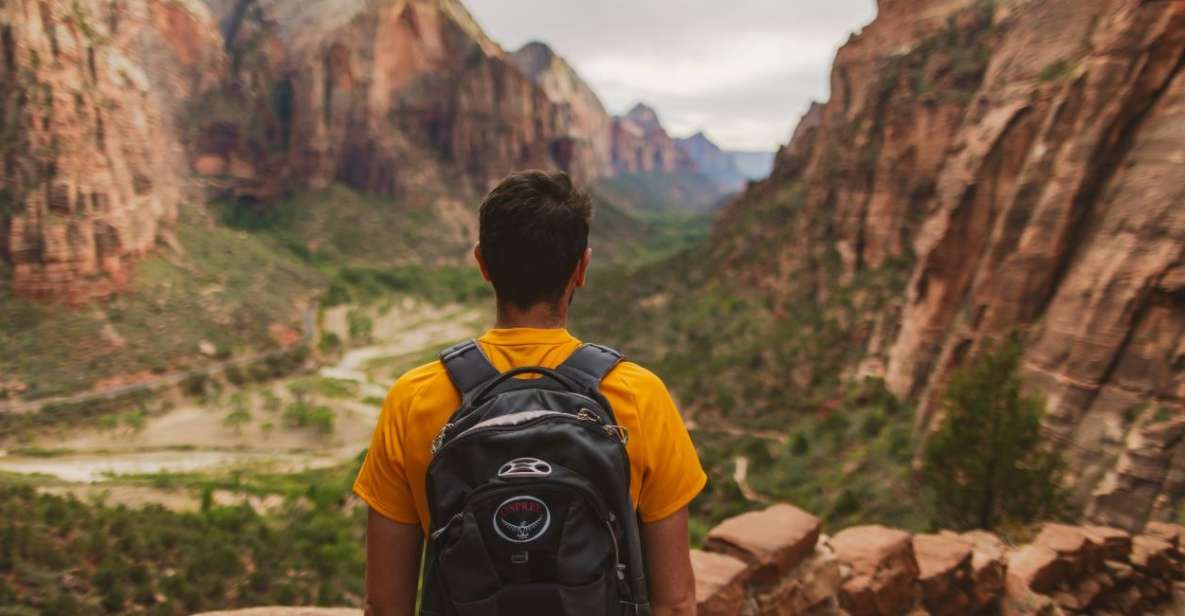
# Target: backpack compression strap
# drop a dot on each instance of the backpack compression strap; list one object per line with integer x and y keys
{"x": 590, "y": 363}
{"x": 468, "y": 367}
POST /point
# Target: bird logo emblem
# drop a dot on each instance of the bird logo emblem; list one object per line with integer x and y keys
{"x": 521, "y": 519}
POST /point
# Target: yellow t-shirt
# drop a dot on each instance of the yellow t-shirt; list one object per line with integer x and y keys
{"x": 665, "y": 472}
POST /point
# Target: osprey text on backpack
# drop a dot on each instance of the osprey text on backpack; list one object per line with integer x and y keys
{"x": 528, "y": 491}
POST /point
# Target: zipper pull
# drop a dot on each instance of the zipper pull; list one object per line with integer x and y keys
{"x": 438, "y": 442}
{"x": 620, "y": 432}
{"x": 587, "y": 415}
{"x": 440, "y": 531}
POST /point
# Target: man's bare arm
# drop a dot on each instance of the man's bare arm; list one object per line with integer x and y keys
{"x": 392, "y": 566}
{"x": 668, "y": 557}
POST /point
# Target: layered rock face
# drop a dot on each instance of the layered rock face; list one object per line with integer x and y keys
{"x": 384, "y": 97}
{"x": 1018, "y": 161}
{"x": 114, "y": 107}
{"x": 584, "y": 117}
{"x": 642, "y": 145}
{"x": 777, "y": 562}
{"x": 91, "y": 173}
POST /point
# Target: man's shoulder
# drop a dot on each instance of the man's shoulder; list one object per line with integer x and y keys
{"x": 636, "y": 378}
{"x": 416, "y": 379}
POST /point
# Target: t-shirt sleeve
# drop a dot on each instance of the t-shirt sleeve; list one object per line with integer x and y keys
{"x": 672, "y": 475}
{"x": 382, "y": 481}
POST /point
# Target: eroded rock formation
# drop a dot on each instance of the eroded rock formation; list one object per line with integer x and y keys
{"x": 91, "y": 173}
{"x": 382, "y": 96}
{"x": 642, "y": 145}
{"x": 583, "y": 115}
{"x": 1018, "y": 162}
{"x": 776, "y": 562}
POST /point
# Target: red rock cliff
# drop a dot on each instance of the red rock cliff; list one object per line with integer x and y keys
{"x": 1022, "y": 159}
{"x": 383, "y": 96}
{"x": 91, "y": 173}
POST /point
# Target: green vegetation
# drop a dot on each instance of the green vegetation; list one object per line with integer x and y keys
{"x": 227, "y": 289}
{"x": 301, "y": 414}
{"x": 756, "y": 332}
{"x": 683, "y": 193}
{"x": 947, "y": 67}
{"x": 62, "y": 556}
{"x": 987, "y": 465}
{"x": 133, "y": 407}
{"x": 1164, "y": 413}
{"x": 340, "y": 226}
{"x": 849, "y": 463}
{"x": 439, "y": 285}
{"x": 240, "y": 414}
{"x": 750, "y": 345}
{"x": 336, "y": 389}
{"x": 1058, "y": 70}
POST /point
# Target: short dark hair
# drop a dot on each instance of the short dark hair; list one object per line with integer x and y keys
{"x": 534, "y": 231}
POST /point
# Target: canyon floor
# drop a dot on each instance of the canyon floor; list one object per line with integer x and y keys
{"x": 131, "y": 465}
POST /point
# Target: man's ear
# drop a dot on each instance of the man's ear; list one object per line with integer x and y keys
{"x": 481, "y": 262}
{"x": 582, "y": 267}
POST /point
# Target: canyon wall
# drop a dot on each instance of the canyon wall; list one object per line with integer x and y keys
{"x": 385, "y": 97}
{"x": 584, "y": 116}
{"x": 91, "y": 168}
{"x": 1016, "y": 161}
{"x": 119, "y": 110}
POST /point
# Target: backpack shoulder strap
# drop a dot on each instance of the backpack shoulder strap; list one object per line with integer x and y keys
{"x": 589, "y": 364}
{"x": 467, "y": 366}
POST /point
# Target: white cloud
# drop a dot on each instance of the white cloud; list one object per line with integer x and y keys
{"x": 742, "y": 71}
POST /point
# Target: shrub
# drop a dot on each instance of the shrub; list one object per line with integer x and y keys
{"x": 322, "y": 420}
{"x": 113, "y": 598}
{"x": 987, "y": 465}
{"x": 236, "y": 419}
{"x": 800, "y": 444}
{"x": 329, "y": 343}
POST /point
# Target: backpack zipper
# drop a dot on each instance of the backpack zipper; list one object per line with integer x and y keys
{"x": 507, "y": 421}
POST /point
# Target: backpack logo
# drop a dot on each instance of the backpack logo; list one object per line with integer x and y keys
{"x": 521, "y": 519}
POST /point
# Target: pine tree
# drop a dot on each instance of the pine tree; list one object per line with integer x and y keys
{"x": 987, "y": 465}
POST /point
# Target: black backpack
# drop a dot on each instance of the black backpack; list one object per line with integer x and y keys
{"x": 528, "y": 491}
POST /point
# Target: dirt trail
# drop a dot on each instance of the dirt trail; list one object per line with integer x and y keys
{"x": 740, "y": 475}
{"x": 22, "y": 407}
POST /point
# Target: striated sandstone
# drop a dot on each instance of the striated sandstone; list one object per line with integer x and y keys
{"x": 1018, "y": 163}
{"x": 91, "y": 174}
{"x": 584, "y": 117}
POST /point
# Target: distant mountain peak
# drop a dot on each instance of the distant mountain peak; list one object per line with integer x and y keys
{"x": 536, "y": 47}
{"x": 534, "y": 57}
{"x": 645, "y": 117}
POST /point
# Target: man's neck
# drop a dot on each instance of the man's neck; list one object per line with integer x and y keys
{"x": 540, "y": 316}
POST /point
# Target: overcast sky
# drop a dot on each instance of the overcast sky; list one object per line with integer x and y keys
{"x": 743, "y": 71}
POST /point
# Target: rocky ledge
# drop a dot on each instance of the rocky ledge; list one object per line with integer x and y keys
{"x": 777, "y": 562}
